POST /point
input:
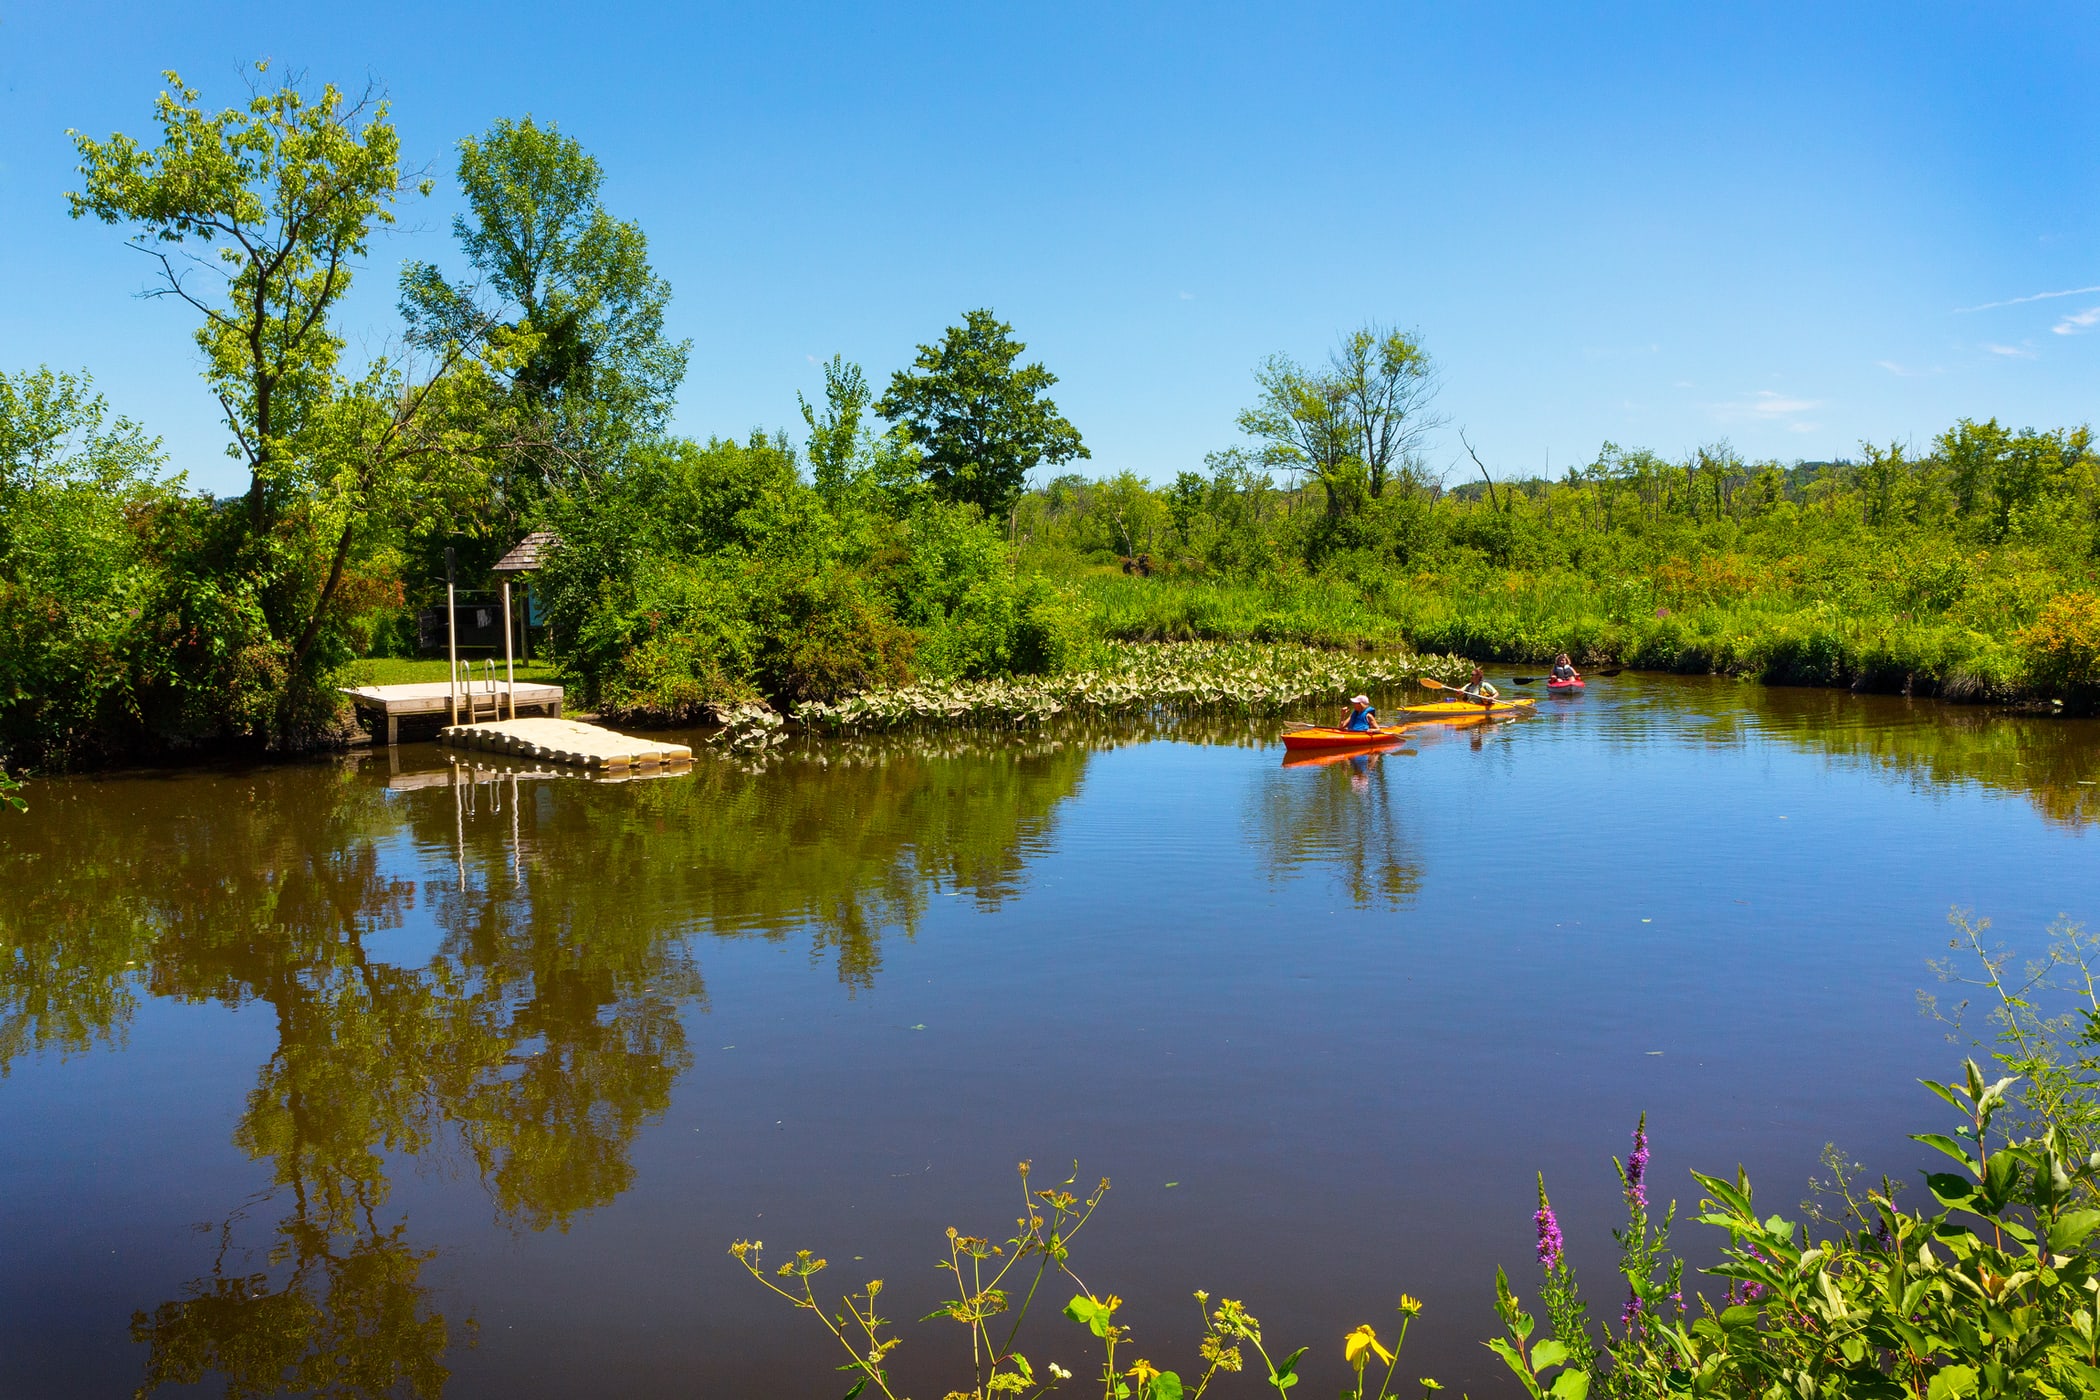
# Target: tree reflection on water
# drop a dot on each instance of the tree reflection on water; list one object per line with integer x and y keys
{"x": 539, "y": 1027}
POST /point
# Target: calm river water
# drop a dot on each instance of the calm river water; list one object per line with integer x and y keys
{"x": 371, "y": 1077}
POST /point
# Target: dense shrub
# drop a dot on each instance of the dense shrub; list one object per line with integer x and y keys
{"x": 2062, "y": 647}
{"x": 702, "y": 575}
{"x": 1013, "y": 626}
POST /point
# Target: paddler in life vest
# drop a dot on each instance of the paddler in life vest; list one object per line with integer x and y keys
{"x": 1564, "y": 669}
{"x": 1481, "y": 690}
{"x": 1361, "y": 719}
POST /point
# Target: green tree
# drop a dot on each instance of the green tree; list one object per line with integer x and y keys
{"x": 1304, "y": 424}
{"x": 1973, "y": 453}
{"x": 75, "y": 566}
{"x": 566, "y": 286}
{"x": 1185, "y": 500}
{"x": 1881, "y": 479}
{"x": 834, "y": 440}
{"x": 1386, "y": 383}
{"x": 980, "y": 424}
{"x": 277, "y": 200}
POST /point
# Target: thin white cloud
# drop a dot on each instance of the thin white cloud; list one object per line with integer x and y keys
{"x": 2022, "y": 301}
{"x": 2010, "y": 352}
{"x": 1802, "y": 427}
{"x": 1188, "y": 296}
{"x": 2078, "y": 321}
{"x": 1764, "y": 406}
{"x": 1906, "y": 371}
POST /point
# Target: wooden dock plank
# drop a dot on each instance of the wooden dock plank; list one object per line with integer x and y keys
{"x": 565, "y": 741}
{"x": 390, "y": 702}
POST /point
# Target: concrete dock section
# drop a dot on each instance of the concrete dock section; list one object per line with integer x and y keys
{"x": 565, "y": 741}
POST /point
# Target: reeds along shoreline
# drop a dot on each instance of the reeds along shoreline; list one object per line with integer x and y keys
{"x": 1761, "y": 628}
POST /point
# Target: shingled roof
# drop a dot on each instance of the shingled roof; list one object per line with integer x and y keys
{"x": 524, "y": 556}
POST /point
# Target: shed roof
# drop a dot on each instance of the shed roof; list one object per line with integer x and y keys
{"x": 525, "y": 554}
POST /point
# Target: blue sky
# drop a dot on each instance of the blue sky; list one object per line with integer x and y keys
{"x": 1657, "y": 224}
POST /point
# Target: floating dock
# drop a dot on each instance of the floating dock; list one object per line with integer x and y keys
{"x": 492, "y": 698}
{"x": 566, "y": 741}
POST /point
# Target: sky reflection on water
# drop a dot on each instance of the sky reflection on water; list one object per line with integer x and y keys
{"x": 338, "y": 1079}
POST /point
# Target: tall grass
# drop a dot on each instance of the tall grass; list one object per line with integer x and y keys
{"x": 1769, "y": 630}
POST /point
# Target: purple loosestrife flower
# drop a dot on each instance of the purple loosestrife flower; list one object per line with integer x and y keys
{"x": 1549, "y": 1230}
{"x": 1632, "y": 1315}
{"x": 1637, "y": 1167}
{"x": 1549, "y": 1239}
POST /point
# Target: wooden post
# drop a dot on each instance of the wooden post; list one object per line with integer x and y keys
{"x": 510, "y": 670}
{"x": 451, "y": 637}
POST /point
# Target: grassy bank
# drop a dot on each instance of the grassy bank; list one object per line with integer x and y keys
{"x": 2004, "y": 633}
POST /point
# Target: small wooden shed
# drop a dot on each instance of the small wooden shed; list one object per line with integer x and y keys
{"x": 522, "y": 560}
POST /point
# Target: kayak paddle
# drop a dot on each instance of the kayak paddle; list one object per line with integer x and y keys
{"x": 1434, "y": 684}
{"x": 1527, "y": 680}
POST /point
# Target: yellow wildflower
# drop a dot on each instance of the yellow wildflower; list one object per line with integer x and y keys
{"x": 1363, "y": 1339}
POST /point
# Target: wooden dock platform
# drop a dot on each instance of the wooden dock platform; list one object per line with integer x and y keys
{"x": 565, "y": 741}
{"x": 482, "y": 698}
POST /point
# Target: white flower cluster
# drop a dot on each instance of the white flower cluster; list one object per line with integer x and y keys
{"x": 1178, "y": 677}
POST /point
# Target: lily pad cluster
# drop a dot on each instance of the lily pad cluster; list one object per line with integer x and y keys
{"x": 1168, "y": 677}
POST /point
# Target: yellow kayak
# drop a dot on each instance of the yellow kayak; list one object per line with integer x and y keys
{"x": 1465, "y": 709}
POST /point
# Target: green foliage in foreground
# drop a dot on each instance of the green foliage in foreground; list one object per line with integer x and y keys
{"x": 1993, "y": 1290}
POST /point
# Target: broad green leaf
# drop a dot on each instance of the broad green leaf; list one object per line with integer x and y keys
{"x": 1941, "y": 1142}
{"x": 2071, "y": 1230}
{"x": 1571, "y": 1385}
{"x": 858, "y": 1387}
{"x": 1165, "y": 1386}
{"x": 1725, "y": 1193}
{"x": 1954, "y": 1192}
{"x": 1548, "y": 1354}
{"x": 1951, "y": 1383}
{"x": 2001, "y": 1171}
{"x": 1514, "y": 1359}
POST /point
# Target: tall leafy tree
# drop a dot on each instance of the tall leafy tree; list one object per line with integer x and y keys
{"x": 568, "y": 291}
{"x": 834, "y": 437}
{"x": 1303, "y": 421}
{"x": 1355, "y": 425}
{"x": 979, "y": 422}
{"x": 1386, "y": 383}
{"x": 257, "y": 216}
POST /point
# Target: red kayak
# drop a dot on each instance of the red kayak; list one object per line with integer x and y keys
{"x": 1301, "y": 740}
{"x": 1565, "y": 687}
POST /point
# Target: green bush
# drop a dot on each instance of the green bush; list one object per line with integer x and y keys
{"x": 2062, "y": 647}
{"x": 1008, "y": 626}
